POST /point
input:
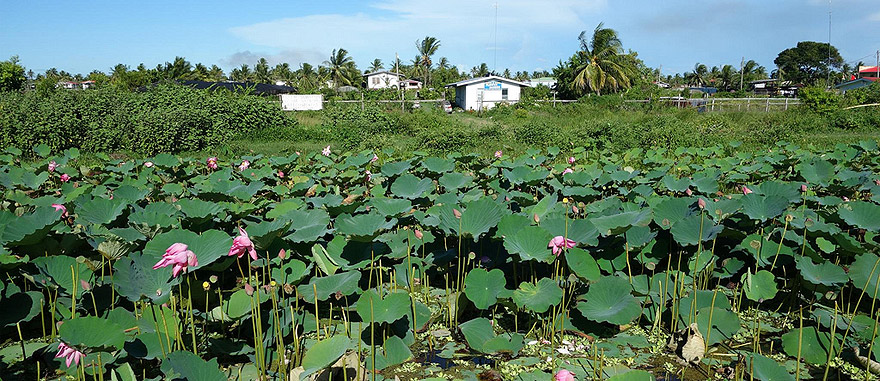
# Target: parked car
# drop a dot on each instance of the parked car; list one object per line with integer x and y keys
{"x": 446, "y": 106}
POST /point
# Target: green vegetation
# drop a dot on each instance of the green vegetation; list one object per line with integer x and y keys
{"x": 692, "y": 263}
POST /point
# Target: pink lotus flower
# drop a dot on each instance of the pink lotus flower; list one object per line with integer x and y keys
{"x": 148, "y": 164}
{"x": 571, "y": 160}
{"x": 61, "y": 208}
{"x": 560, "y": 243}
{"x": 701, "y": 203}
{"x": 374, "y": 159}
{"x": 419, "y": 234}
{"x": 498, "y": 154}
{"x": 178, "y": 256}
{"x": 369, "y": 175}
{"x": 688, "y": 192}
{"x": 326, "y": 151}
{"x": 282, "y": 254}
{"x": 71, "y": 354}
{"x": 212, "y": 162}
{"x": 803, "y": 188}
{"x": 52, "y": 166}
{"x": 280, "y": 173}
{"x": 564, "y": 375}
{"x": 65, "y": 178}
{"x": 242, "y": 244}
{"x": 456, "y": 213}
{"x": 567, "y": 171}
{"x": 244, "y": 165}
{"x": 746, "y": 190}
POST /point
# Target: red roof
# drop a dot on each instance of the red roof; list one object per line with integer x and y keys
{"x": 869, "y": 69}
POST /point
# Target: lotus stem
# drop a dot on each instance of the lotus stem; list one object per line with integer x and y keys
{"x": 797, "y": 368}
{"x": 779, "y": 248}
{"x": 831, "y": 353}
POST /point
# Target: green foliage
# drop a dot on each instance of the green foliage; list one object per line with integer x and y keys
{"x": 164, "y": 118}
{"x": 818, "y": 100}
{"x": 808, "y": 62}
{"x": 11, "y": 75}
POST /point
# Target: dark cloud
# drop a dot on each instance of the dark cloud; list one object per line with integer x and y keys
{"x": 292, "y": 57}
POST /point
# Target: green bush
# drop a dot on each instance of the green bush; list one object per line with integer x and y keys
{"x": 164, "y": 118}
{"x": 818, "y": 100}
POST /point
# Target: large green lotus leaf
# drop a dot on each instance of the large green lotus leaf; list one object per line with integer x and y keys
{"x": 391, "y": 207}
{"x": 530, "y": 243}
{"x": 825, "y": 273}
{"x": 633, "y": 375}
{"x": 511, "y": 224}
{"x": 208, "y": 246}
{"x": 33, "y": 180}
{"x": 237, "y": 189}
{"x": 479, "y": 216}
{"x": 60, "y": 269}
{"x": 284, "y": 207}
{"x": 392, "y": 352}
{"x": 725, "y": 324}
{"x": 544, "y": 207}
{"x": 159, "y": 214}
{"x": 705, "y": 184}
{"x": 687, "y": 231}
{"x": 763, "y": 208}
{"x": 812, "y": 344}
{"x": 484, "y": 288}
{"x": 538, "y": 297}
{"x": 92, "y": 332}
{"x": 580, "y": 230}
{"x": 438, "y": 165}
{"x": 20, "y": 307}
{"x": 290, "y": 272}
{"x": 786, "y": 190}
{"x": 395, "y": 168}
{"x": 363, "y": 225}
{"x": 130, "y": 193}
{"x": 671, "y": 210}
{"x": 306, "y": 225}
{"x": 861, "y": 214}
{"x": 676, "y": 185}
{"x": 610, "y": 300}
{"x": 766, "y": 369}
{"x": 722, "y": 208}
{"x": 198, "y": 209}
{"x": 610, "y": 224}
{"x": 189, "y": 366}
{"x": 411, "y": 187}
{"x": 373, "y": 308}
{"x": 240, "y": 303}
{"x": 135, "y": 279}
{"x": 454, "y": 180}
{"x": 29, "y": 228}
{"x": 344, "y": 283}
{"x": 481, "y": 337}
{"x": 864, "y": 273}
{"x": 762, "y": 250}
{"x": 759, "y": 286}
{"x": 263, "y": 233}
{"x": 818, "y": 171}
{"x": 525, "y": 175}
{"x": 704, "y": 299}
{"x": 324, "y": 353}
{"x": 100, "y": 210}
{"x": 583, "y": 264}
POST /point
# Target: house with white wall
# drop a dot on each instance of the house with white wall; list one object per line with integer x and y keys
{"x": 486, "y": 92}
{"x": 383, "y": 80}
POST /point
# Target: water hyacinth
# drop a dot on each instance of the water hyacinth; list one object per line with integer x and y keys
{"x": 560, "y": 243}
{"x": 179, "y": 257}
{"x": 70, "y": 354}
{"x": 242, "y": 244}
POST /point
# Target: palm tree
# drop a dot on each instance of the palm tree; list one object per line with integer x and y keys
{"x": 179, "y": 69}
{"x": 376, "y": 66}
{"x": 241, "y": 74}
{"x": 307, "y": 78}
{"x": 727, "y": 75}
{"x": 339, "y": 66}
{"x": 261, "y": 71}
{"x": 215, "y": 74}
{"x": 282, "y": 72}
{"x": 480, "y": 71}
{"x": 443, "y": 63}
{"x": 697, "y": 77}
{"x": 427, "y": 48}
{"x": 602, "y": 62}
{"x": 200, "y": 72}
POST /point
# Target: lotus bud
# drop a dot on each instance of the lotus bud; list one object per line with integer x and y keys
{"x": 248, "y": 289}
{"x": 85, "y": 285}
{"x": 282, "y": 254}
{"x": 537, "y": 219}
{"x": 746, "y": 190}
{"x": 456, "y": 213}
{"x": 571, "y": 160}
{"x": 418, "y": 234}
{"x": 148, "y": 164}
{"x": 574, "y": 209}
{"x": 688, "y": 192}
{"x": 804, "y": 188}
{"x": 701, "y": 203}
{"x": 877, "y": 182}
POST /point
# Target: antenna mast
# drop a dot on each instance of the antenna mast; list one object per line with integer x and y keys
{"x": 495, "y": 49}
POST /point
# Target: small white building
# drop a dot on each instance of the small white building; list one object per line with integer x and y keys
{"x": 383, "y": 80}
{"x": 486, "y": 92}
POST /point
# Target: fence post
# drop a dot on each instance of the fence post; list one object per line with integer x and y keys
{"x": 713, "y": 104}
{"x": 768, "y": 105}
{"x": 786, "y": 104}
{"x": 748, "y": 103}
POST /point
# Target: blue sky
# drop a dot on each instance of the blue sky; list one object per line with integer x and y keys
{"x": 531, "y": 35}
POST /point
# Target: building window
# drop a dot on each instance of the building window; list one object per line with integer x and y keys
{"x": 504, "y": 94}
{"x": 375, "y": 80}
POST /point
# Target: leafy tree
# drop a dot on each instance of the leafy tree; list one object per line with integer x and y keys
{"x": 480, "y": 71}
{"x": 261, "y": 71}
{"x": 241, "y": 74}
{"x": 307, "y": 78}
{"x": 179, "y": 69}
{"x": 341, "y": 67}
{"x": 11, "y": 75}
{"x": 215, "y": 74}
{"x": 697, "y": 77}
{"x": 808, "y": 62}
{"x": 376, "y": 66}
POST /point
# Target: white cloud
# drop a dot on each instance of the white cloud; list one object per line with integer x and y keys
{"x": 874, "y": 17}
{"x": 465, "y": 28}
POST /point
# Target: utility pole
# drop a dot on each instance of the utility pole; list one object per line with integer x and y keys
{"x": 828, "y": 80}
{"x": 495, "y": 49}
{"x": 399, "y": 85}
{"x": 742, "y": 63}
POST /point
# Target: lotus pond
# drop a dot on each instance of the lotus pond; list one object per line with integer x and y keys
{"x": 638, "y": 265}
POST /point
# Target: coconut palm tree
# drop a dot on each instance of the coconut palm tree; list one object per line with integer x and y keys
{"x": 262, "y": 73}
{"x": 340, "y": 66}
{"x": 602, "y": 64}
{"x": 307, "y": 78}
{"x": 427, "y": 48}
{"x": 443, "y": 63}
{"x": 698, "y": 76}
{"x": 376, "y": 65}
{"x": 726, "y": 76}
{"x": 480, "y": 71}
{"x": 241, "y": 74}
